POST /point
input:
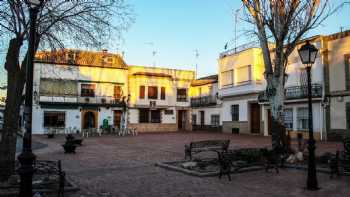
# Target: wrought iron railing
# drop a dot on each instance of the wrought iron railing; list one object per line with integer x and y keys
{"x": 203, "y": 101}
{"x": 239, "y": 49}
{"x": 81, "y": 99}
{"x": 296, "y": 92}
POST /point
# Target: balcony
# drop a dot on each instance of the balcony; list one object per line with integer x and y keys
{"x": 296, "y": 92}
{"x": 108, "y": 101}
{"x": 203, "y": 101}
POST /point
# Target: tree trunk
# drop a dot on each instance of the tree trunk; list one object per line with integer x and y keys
{"x": 278, "y": 131}
{"x": 15, "y": 83}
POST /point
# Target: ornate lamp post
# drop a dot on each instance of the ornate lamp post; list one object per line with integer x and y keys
{"x": 308, "y": 53}
{"x": 27, "y": 158}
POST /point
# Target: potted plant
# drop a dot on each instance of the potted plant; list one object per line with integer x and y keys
{"x": 51, "y": 133}
{"x": 69, "y": 146}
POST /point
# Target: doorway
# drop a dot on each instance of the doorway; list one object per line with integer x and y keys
{"x": 254, "y": 118}
{"x": 202, "y": 114}
{"x": 181, "y": 121}
{"x": 117, "y": 118}
{"x": 89, "y": 119}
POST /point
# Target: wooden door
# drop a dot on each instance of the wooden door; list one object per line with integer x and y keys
{"x": 202, "y": 118}
{"x": 181, "y": 120}
{"x": 117, "y": 118}
{"x": 255, "y": 118}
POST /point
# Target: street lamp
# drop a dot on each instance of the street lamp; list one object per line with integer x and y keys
{"x": 27, "y": 158}
{"x": 308, "y": 53}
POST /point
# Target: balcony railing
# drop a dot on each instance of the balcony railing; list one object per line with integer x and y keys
{"x": 239, "y": 49}
{"x": 203, "y": 101}
{"x": 296, "y": 92}
{"x": 77, "y": 99}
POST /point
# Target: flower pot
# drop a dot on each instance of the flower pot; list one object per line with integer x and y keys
{"x": 50, "y": 135}
{"x": 69, "y": 147}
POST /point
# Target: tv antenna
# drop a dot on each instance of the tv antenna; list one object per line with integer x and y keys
{"x": 236, "y": 22}
{"x": 196, "y": 54}
{"x": 154, "y": 52}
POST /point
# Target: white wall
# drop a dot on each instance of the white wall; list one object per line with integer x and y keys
{"x": 317, "y": 113}
{"x": 208, "y": 112}
{"x": 243, "y": 109}
{"x": 73, "y": 118}
{"x": 105, "y": 113}
{"x": 171, "y": 118}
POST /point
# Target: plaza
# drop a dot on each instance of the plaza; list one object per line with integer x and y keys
{"x": 125, "y": 166}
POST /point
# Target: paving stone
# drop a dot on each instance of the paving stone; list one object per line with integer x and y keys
{"x": 124, "y": 167}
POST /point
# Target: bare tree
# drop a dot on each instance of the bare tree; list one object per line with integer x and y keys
{"x": 284, "y": 23}
{"x": 60, "y": 23}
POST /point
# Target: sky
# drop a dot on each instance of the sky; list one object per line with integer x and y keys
{"x": 176, "y": 29}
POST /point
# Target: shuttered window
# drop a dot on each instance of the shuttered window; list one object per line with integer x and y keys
{"x": 142, "y": 92}
{"x": 55, "y": 87}
{"x": 303, "y": 118}
{"x": 235, "y": 112}
{"x": 88, "y": 90}
{"x": 54, "y": 119}
{"x": 152, "y": 92}
{"x": 227, "y": 78}
{"x": 162, "y": 93}
{"x": 243, "y": 74}
{"x": 118, "y": 92}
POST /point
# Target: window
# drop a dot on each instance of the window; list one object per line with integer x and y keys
{"x": 144, "y": 115}
{"x": 155, "y": 116}
{"x": 227, "y": 78}
{"x": 152, "y": 92}
{"x": 181, "y": 95}
{"x": 142, "y": 92}
{"x": 302, "y": 118}
{"x": 55, "y": 87}
{"x": 149, "y": 116}
{"x": 54, "y": 119}
{"x": 118, "y": 92}
{"x": 88, "y": 90}
{"x": 215, "y": 120}
{"x": 162, "y": 93}
{"x": 288, "y": 119}
{"x": 243, "y": 74}
{"x": 169, "y": 112}
{"x": 235, "y": 112}
{"x": 194, "y": 119}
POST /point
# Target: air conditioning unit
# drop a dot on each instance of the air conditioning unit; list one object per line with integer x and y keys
{"x": 103, "y": 100}
{"x": 152, "y": 104}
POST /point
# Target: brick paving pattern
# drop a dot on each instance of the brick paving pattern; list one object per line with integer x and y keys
{"x": 124, "y": 167}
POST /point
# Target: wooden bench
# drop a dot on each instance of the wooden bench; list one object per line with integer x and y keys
{"x": 207, "y": 145}
{"x": 235, "y": 160}
{"x": 341, "y": 161}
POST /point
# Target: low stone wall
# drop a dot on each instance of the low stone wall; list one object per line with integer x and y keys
{"x": 243, "y": 126}
{"x": 207, "y": 128}
{"x": 294, "y": 134}
{"x": 154, "y": 127}
{"x": 337, "y": 134}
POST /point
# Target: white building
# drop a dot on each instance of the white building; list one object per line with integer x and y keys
{"x": 240, "y": 81}
{"x": 336, "y": 55}
{"x": 296, "y": 106}
{"x": 159, "y": 99}
{"x": 78, "y": 89}
{"x": 206, "y": 106}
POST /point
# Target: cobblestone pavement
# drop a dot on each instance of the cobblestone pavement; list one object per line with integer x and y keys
{"x": 124, "y": 167}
